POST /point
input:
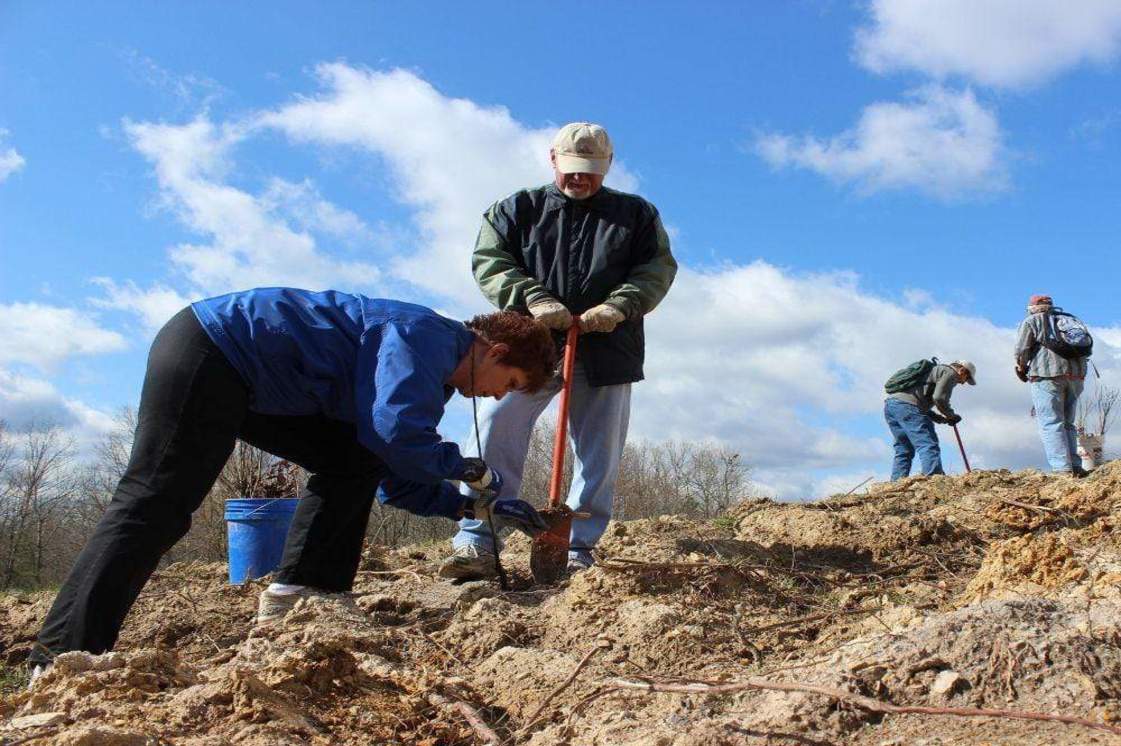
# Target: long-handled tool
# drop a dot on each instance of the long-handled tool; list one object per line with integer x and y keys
{"x": 964, "y": 458}
{"x": 548, "y": 557}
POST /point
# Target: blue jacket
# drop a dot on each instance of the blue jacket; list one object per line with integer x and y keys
{"x": 381, "y": 365}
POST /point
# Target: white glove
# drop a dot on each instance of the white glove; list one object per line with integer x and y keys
{"x": 552, "y": 314}
{"x": 480, "y": 477}
{"x": 601, "y": 318}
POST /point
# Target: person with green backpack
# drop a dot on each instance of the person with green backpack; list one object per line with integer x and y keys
{"x": 914, "y": 392}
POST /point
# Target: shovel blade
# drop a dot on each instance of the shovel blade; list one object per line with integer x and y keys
{"x": 548, "y": 557}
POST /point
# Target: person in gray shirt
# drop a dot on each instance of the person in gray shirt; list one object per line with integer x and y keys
{"x": 1056, "y": 384}
{"x": 911, "y": 415}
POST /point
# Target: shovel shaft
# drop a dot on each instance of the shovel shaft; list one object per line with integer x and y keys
{"x": 561, "y": 440}
{"x": 961, "y": 448}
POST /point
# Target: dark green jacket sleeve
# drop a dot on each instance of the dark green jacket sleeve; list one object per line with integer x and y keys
{"x": 649, "y": 280}
{"x": 498, "y": 273}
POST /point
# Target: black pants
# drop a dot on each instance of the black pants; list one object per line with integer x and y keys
{"x": 193, "y": 408}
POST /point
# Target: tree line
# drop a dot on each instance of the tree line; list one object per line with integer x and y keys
{"x": 51, "y": 496}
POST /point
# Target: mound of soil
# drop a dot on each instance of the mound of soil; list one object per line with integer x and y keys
{"x": 991, "y": 590}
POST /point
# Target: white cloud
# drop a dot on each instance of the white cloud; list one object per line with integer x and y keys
{"x": 944, "y": 142}
{"x": 262, "y": 240}
{"x": 311, "y": 212}
{"x": 939, "y": 141}
{"x": 788, "y": 369}
{"x": 1007, "y": 43}
{"x": 187, "y": 90}
{"x": 448, "y": 158}
{"x": 855, "y": 481}
{"x": 1093, "y": 130}
{"x": 153, "y": 305}
{"x": 32, "y": 403}
{"x": 44, "y": 336}
{"x": 10, "y": 160}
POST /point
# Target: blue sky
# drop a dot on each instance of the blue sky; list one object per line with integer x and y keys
{"x": 848, "y": 186}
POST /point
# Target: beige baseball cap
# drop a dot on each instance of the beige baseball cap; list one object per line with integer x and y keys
{"x": 582, "y": 147}
{"x": 970, "y": 369}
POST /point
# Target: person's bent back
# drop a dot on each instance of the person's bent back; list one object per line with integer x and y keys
{"x": 348, "y": 387}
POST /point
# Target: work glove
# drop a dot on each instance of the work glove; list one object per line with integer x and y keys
{"x": 513, "y": 513}
{"x": 481, "y": 478}
{"x": 939, "y": 419}
{"x": 601, "y": 318}
{"x": 551, "y": 313}
{"x": 1021, "y": 374}
{"x": 953, "y": 419}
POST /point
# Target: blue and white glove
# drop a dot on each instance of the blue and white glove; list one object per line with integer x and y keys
{"x": 513, "y": 513}
{"x": 488, "y": 508}
{"x": 481, "y": 478}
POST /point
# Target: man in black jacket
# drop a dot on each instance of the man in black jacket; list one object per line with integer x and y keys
{"x": 570, "y": 251}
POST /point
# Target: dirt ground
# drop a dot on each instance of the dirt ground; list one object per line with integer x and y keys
{"x": 992, "y": 590}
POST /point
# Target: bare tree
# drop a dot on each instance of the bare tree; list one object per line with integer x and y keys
{"x": 50, "y": 503}
{"x": 10, "y": 522}
{"x": 101, "y": 475}
{"x": 716, "y": 479}
{"x": 671, "y": 477}
{"x": 1097, "y": 412}
{"x": 40, "y": 480}
{"x": 249, "y": 472}
{"x": 538, "y": 472}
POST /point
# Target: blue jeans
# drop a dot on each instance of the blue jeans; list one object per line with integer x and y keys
{"x": 1056, "y": 404}
{"x": 598, "y": 419}
{"x": 914, "y": 431}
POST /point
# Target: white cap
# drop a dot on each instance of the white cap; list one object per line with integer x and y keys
{"x": 582, "y": 147}
{"x": 970, "y": 368}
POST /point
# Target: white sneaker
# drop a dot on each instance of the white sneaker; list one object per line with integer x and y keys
{"x": 469, "y": 562}
{"x": 35, "y": 674}
{"x": 580, "y": 559}
{"x": 278, "y": 599}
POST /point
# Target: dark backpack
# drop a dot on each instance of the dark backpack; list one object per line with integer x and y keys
{"x": 1066, "y": 335}
{"x": 908, "y": 378}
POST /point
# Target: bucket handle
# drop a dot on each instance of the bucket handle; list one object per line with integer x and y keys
{"x": 262, "y": 507}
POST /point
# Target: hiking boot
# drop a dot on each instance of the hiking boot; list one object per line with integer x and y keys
{"x": 579, "y": 560}
{"x": 469, "y": 562}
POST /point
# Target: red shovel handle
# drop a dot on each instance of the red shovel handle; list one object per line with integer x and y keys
{"x": 964, "y": 458}
{"x": 562, "y": 416}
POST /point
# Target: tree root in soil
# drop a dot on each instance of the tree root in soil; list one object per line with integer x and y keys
{"x": 485, "y": 733}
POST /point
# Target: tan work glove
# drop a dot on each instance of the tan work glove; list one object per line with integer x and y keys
{"x": 552, "y": 314}
{"x": 601, "y": 318}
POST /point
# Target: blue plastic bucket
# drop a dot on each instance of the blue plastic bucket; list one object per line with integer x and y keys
{"x": 256, "y": 528}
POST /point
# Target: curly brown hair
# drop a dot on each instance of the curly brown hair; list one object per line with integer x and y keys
{"x": 531, "y": 345}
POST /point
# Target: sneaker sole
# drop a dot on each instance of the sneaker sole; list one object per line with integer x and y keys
{"x": 462, "y": 573}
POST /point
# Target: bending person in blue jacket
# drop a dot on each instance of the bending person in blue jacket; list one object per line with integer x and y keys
{"x": 348, "y": 387}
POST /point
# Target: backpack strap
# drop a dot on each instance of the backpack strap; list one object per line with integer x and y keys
{"x": 928, "y": 385}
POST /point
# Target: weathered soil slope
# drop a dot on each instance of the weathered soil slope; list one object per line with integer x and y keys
{"x": 992, "y": 590}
